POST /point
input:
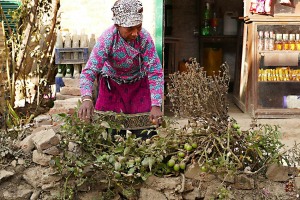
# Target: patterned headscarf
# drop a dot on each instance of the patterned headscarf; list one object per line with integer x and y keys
{"x": 127, "y": 13}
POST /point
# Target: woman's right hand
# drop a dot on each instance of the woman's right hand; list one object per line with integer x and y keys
{"x": 86, "y": 109}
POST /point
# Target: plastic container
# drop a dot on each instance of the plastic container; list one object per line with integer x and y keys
{"x": 230, "y": 23}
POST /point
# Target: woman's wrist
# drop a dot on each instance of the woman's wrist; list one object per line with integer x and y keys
{"x": 86, "y": 98}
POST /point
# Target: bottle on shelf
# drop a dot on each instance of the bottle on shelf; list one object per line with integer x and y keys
{"x": 297, "y": 41}
{"x": 278, "y": 42}
{"x": 285, "y": 41}
{"x": 272, "y": 41}
{"x": 260, "y": 45}
{"x": 206, "y": 28}
{"x": 214, "y": 23}
{"x": 266, "y": 40}
{"x": 292, "y": 43}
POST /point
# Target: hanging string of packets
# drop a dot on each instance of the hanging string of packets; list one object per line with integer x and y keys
{"x": 279, "y": 74}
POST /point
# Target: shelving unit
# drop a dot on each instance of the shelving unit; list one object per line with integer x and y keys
{"x": 217, "y": 48}
{"x": 61, "y": 58}
{"x": 270, "y": 79}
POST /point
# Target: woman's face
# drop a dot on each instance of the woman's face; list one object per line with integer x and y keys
{"x": 130, "y": 33}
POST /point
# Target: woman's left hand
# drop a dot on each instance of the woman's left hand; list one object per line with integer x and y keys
{"x": 156, "y": 115}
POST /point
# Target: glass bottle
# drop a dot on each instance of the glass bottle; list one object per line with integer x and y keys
{"x": 260, "y": 43}
{"x": 206, "y": 28}
{"x": 266, "y": 41}
{"x": 298, "y": 41}
{"x": 272, "y": 41}
{"x": 285, "y": 41}
{"x": 278, "y": 42}
{"x": 292, "y": 43}
{"x": 214, "y": 23}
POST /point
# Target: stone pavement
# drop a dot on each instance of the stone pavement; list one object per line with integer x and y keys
{"x": 289, "y": 128}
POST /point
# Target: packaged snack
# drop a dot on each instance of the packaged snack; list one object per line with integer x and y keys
{"x": 269, "y": 7}
{"x": 253, "y": 6}
{"x": 260, "y": 9}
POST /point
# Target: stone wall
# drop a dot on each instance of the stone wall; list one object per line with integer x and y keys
{"x": 32, "y": 177}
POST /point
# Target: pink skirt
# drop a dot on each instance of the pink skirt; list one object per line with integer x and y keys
{"x": 128, "y": 98}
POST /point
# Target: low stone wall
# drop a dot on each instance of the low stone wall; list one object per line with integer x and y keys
{"x": 22, "y": 180}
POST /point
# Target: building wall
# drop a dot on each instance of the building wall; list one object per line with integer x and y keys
{"x": 94, "y": 16}
{"x": 185, "y": 22}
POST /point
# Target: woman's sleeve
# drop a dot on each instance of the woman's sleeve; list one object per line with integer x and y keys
{"x": 94, "y": 65}
{"x": 155, "y": 72}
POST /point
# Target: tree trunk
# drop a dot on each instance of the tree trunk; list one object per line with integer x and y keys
{"x": 27, "y": 34}
{"x": 51, "y": 39}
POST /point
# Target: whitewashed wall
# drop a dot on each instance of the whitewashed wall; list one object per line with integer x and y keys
{"x": 94, "y": 16}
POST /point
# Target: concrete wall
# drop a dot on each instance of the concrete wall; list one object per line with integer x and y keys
{"x": 94, "y": 16}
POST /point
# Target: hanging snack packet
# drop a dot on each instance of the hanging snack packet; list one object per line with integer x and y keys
{"x": 253, "y": 6}
{"x": 260, "y": 9}
{"x": 269, "y": 7}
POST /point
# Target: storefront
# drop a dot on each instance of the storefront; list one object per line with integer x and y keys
{"x": 269, "y": 77}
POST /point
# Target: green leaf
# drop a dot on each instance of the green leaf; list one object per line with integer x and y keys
{"x": 119, "y": 149}
{"x": 79, "y": 163}
{"x": 104, "y": 134}
{"x": 151, "y": 162}
{"x": 127, "y": 151}
{"x": 131, "y": 170}
{"x": 105, "y": 124}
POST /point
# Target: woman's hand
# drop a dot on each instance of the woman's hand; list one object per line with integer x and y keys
{"x": 156, "y": 115}
{"x": 86, "y": 109}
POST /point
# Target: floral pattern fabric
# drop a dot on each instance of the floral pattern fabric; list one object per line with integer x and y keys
{"x": 119, "y": 59}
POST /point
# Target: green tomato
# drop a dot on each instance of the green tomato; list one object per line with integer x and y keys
{"x": 176, "y": 167}
{"x": 181, "y": 154}
{"x": 148, "y": 141}
{"x": 104, "y": 156}
{"x": 194, "y": 145}
{"x": 186, "y": 145}
{"x": 204, "y": 169}
{"x": 171, "y": 163}
{"x": 182, "y": 165}
{"x": 236, "y": 126}
{"x": 239, "y": 131}
{"x": 189, "y": 148}
{"x": 213, "y": 169}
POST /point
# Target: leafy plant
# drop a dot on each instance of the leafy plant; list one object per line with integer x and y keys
{"x": 210, "y": 138}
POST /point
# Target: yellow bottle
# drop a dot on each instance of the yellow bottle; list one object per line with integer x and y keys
{"x": 292, "y": 43}
{"x": 297, "y": 42}
{"x": 278, "y": 42}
